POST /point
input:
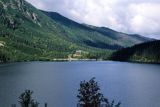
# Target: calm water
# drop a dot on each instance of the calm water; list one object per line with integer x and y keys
{"x": 135, "y": 85}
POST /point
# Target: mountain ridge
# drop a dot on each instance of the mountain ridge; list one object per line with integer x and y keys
{"x": 29, "y": 34}
{"x": 58, "y": 16}
{"x": 107, "y": 32}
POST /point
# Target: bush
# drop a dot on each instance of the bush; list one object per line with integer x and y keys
{"x": 90, "y": 95}
{"x": 26, "y": 100}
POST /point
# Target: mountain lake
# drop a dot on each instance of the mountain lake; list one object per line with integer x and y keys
{"x": 57, "y": 83}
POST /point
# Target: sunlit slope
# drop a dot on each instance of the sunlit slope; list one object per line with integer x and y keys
{"x": 28, "y": 34}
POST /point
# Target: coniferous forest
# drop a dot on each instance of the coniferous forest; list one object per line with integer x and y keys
{"x": 27, "y": 34}
{"x": 147, "y": 52}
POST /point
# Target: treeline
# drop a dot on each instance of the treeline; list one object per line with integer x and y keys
{"x": 24, "y": 45}
{"x": 89, "y": 95}
{"x": 146, "y": 52}
{"x": 3, "y": 57}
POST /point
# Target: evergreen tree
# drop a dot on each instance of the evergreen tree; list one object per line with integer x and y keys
{"x": 90, "y": 95}
{"x": 26, "y": 99}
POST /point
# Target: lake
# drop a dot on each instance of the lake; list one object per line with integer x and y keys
{"x": 57, "y": 83}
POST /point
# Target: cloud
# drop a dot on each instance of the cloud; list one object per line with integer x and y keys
{"x": 130, "y": 16}
{"x": 145, "y": 18}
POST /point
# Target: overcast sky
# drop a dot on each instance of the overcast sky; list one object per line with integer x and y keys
{"x": 129, "y": 16}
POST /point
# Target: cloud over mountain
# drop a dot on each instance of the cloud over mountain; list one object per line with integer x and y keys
{"x": 131, "y": 16}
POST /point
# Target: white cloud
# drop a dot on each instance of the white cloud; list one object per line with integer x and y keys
{"x": 131, "y": 16}
{"x": 145, "y": 18}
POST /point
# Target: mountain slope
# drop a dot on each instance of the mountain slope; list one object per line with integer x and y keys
{"x": 28, "y": 34}
{"x": 100, "y": 36}
{"x": 146, "y": 52}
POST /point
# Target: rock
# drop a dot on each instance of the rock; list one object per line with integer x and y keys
{"x": 34, "y": 16}
{"x": 2, "y": 44}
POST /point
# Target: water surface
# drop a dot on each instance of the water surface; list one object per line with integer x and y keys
{"x": 135, "y": 85}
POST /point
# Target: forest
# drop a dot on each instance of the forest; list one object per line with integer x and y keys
{"x": 29, "y": 34}
{"x": 146, "y": 52}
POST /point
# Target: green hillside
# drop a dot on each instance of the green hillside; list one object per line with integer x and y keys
{"x": 28, "y": 34}
{"x": 147, "y": 52}
{"x": 93, "y": 36}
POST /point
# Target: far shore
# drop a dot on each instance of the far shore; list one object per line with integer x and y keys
{"x": 55, "y": 60}
{"x": 75, "y": 59}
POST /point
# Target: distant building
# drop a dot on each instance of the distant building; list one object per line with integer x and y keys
{"x": 78, "y": 53}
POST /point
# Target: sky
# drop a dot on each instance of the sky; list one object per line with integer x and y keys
{"x": 128, "y": 16}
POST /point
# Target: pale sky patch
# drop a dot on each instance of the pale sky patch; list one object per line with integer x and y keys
{"x": 129, "y": 16}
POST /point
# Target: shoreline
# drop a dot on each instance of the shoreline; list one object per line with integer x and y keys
{"x": 72, "y": 60}
{"x": 54, "y": 60}
{"x": 138, "y": 62}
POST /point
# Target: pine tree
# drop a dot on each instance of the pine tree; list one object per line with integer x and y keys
{"x": 90, "y": 95}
